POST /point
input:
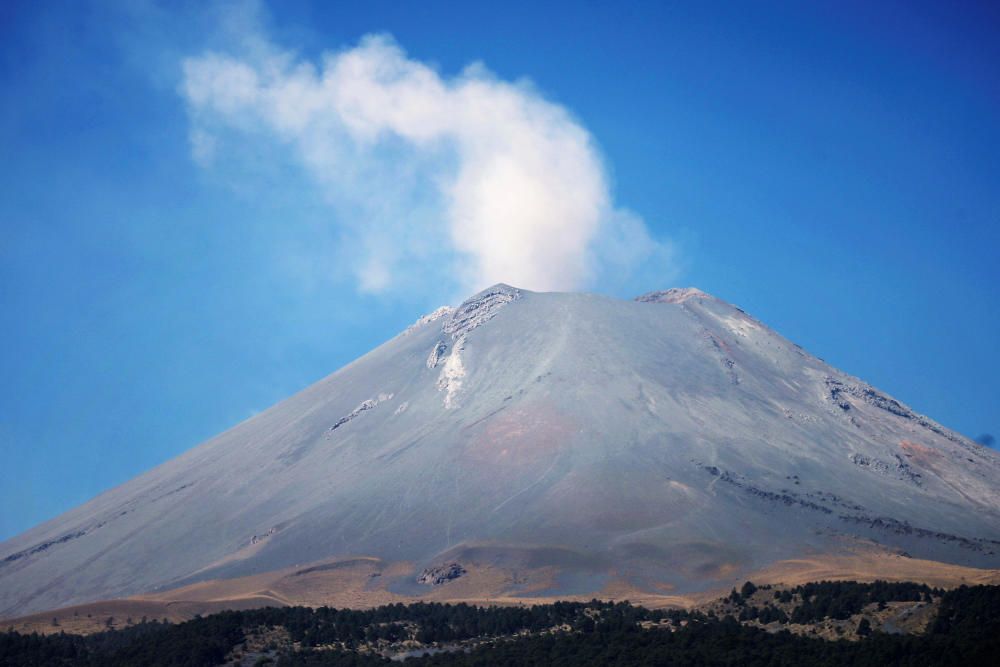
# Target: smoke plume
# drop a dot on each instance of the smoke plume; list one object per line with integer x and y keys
{"x": 466, "y": 178}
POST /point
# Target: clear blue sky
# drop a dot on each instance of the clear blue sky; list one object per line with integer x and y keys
{"x": 833, "y": 169}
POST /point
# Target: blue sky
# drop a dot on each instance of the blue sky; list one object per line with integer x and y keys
{"x": 831, "y": 168}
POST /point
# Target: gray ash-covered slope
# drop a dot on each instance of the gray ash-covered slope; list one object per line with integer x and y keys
{"x": 666, "y": 442}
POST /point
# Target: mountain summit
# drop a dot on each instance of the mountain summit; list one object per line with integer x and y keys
{"x": 537, "y": 445}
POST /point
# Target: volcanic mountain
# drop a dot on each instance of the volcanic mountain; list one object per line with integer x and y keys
{"x": 529, "y": 445}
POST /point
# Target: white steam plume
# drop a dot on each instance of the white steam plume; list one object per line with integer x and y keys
{"x": 478, "y": 178}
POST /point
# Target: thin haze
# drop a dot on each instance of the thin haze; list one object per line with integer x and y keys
{"x": 483, "y": 176}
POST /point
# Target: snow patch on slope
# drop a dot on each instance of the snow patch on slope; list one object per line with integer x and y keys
{"x": 471, "y": 315}
{"x": 741, "y": 326}
{"x": 452, "y": 372}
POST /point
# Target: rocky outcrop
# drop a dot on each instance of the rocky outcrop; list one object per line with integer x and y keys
{"x": 370, "y": 404}
{"x": 42, "y": 547}
{"x": 841, "y": 393}
{"x": 673, "y": 295}
{"x": 890, "y": 525}
{"x": 783, "y": 497}
{"x": 435, "y": 576}
{"x": 722, "y": 350}
{"x": 472, "y": 314}
{"x": 434, "y": 358}
{"x": 257, "y": 539}
{"x": 479, "y": 310}
{"x": 898, "y": 469}
{"x": 443, "y": 311}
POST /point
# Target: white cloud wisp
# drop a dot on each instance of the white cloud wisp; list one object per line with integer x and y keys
{"x": 469, "y": 177}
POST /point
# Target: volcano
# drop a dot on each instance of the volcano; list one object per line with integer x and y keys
{"x": 538, "y": 445}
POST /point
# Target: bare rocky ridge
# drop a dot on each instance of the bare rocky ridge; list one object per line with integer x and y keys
{"x": 547, "y": 445}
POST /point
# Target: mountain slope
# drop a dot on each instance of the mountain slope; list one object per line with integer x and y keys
{"x": 569, "y": 440}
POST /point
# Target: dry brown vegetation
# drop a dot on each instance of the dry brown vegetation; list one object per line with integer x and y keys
{"x": 361, "y": 583}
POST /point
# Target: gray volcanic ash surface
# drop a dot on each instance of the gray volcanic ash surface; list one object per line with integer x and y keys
{"x": 573, "y": 441}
